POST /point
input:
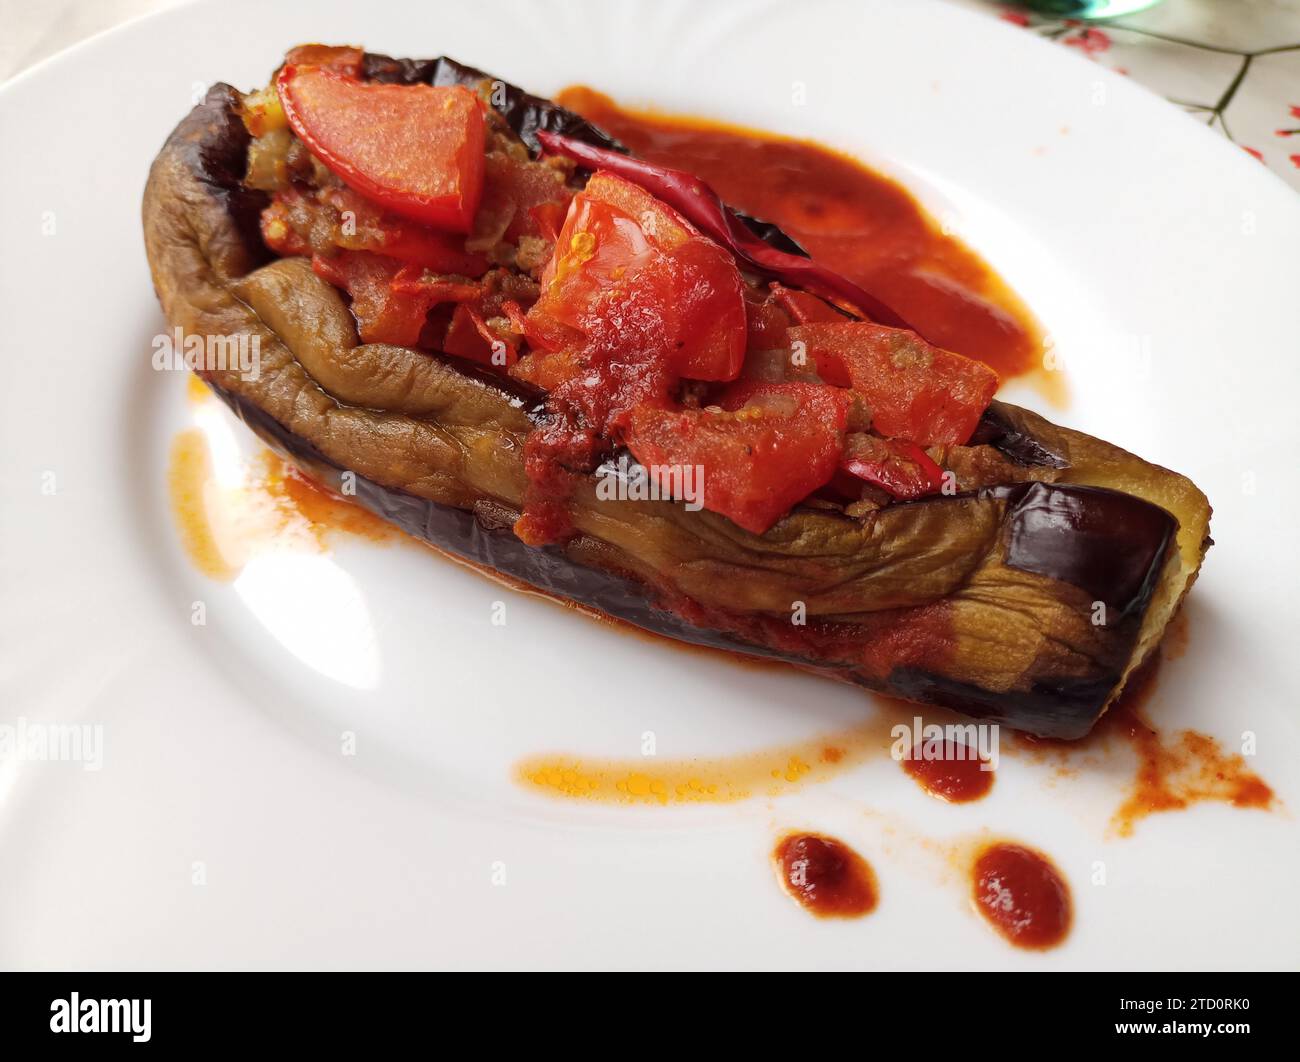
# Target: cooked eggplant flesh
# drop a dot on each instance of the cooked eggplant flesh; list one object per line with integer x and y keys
{"x": 1026, "y": 602}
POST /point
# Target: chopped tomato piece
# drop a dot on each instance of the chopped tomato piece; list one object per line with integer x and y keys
{"x": 384, "y": 315}
{"x": 712, "y": 327}
{"x": 342, "y": 60}
{"x": 626, "y": 262}
{"x": 468, "y": 336}
{"x": 364, "y": 226}
{"x": 766, "y": 321}
{"x": 770, "y": 448}
{"x": 524, "y": 187}
{"x": 548, "y": 218}
{"x": 899, "y": 467}
{"x": 415, "y": 149}
{"x": 515, "y": 314}
{"x": 805, "y": 307}
{"x": 547, "y": 371}
{"x": 411, "y": 280}
{"x": 915, "y": 391}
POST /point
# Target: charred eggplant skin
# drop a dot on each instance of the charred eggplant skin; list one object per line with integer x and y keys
{"x": 1064, "y": 709}
{"x": 1062, "y": 547}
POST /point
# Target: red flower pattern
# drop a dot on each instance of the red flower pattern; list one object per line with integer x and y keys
{"x": 1093, "y": 42}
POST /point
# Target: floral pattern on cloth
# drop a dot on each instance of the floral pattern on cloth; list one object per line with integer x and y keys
{"x": 1234, "y": 66}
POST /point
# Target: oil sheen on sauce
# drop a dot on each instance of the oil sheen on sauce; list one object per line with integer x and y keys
{"x": 260, "y": 505}
{"x": 1022, "y": 895}
{"x": 954, "y": 772}
{"x": 852, "y": 219}
{"x": 825, "y": 876}
{"x": 704, "y": 780}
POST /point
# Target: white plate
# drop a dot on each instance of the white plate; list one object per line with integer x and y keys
{"x": 1161, "y": 259}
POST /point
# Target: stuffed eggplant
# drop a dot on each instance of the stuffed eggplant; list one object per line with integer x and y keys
{"x": 482, "y": 318}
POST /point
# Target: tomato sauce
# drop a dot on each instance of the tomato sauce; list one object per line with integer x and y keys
{"x": 848, "y": 217}
{"x": 267, "y": 506}
{"x": 959, "y": 776}
{"x": 1174, "y": 774}
{"x": 1173, "y": 771}
{"x": 825, "y": 876}
{"x": 769, "y": 772}
{"x": 1021, "y": 895}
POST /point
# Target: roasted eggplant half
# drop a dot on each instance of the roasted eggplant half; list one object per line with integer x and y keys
{"x": 483, "y": 320}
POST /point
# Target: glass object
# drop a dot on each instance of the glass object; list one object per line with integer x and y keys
{"x": 1088, "y": 8}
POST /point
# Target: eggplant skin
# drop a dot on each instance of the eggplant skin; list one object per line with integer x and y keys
{"x": 1027, "y": 604}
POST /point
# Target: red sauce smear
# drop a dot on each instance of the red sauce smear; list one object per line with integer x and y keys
{"x": 1171, "y": 775}
{"x": 1021, "y": 895}
{"x": 851, "y": 219}
{"x": 826, "y": 876}
{"x": 958, "y": 777}
{"x": 1173, "y": 772}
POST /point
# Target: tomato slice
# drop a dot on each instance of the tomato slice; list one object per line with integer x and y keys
{"x": 621, "y": 247}
{"x": 770, "y": 447}
{"x": 896, "y": 466}
{"x": 415, "y": 149}
{"x": 915, "y": 391}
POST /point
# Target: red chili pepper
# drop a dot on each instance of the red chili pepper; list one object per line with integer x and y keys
{"x": 701, "y": 206}
{"x": 898, "y": 467}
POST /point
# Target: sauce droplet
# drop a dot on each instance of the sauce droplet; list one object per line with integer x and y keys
{"x": 826, "y": 876}
{"x": 1022, "y": 895}
{"x": 957, "y": 775}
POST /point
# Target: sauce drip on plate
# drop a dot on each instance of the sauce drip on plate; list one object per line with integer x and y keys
{"x": 1021, "y": 895}
{"x": 850, "y": 218}
{"x": 705, "y": 780}
{"x": 1174, "y": 770}
{"x": 1174, "y": 773}
{"x": 957, "y": 776}
{"x": 253, "y": 507}
{"x": 826, "y": 876}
